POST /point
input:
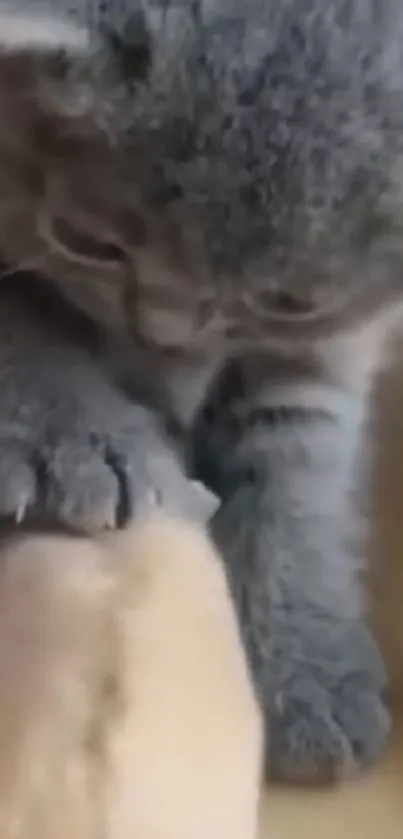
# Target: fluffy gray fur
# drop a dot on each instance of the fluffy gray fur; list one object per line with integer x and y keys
{"x": 218, "y": 186}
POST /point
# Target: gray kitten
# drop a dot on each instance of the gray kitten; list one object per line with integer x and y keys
{"x": 210, "y": 193}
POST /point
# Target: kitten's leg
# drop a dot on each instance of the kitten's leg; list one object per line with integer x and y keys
{"x": 284, "y": 459}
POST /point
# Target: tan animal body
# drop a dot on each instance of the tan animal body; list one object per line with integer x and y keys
{"x": 126, "y": 710}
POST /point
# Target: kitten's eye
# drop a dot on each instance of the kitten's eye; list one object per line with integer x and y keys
{"x": 83, "y": 247}
{"x": 285, "y": 303}
{"x": 291, "y": 305}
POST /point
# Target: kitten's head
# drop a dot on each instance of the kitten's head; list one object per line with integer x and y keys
{"x": 239, "y": 161}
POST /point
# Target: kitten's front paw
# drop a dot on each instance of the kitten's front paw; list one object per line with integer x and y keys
{"x": 89, "y": 479}
{"x": 329, "y": 720}
{"x": 70, "y": 481}
{"x": 93, "y": 471}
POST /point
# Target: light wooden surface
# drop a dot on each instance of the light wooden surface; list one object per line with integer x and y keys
{"x": 370, "y": 807}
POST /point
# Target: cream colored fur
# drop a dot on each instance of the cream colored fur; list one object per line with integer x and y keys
{"x": 126, "y": 710}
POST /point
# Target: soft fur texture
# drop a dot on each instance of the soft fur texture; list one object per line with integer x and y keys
{"x": 126, "y": 708}
{"x": 216, "y": 186}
